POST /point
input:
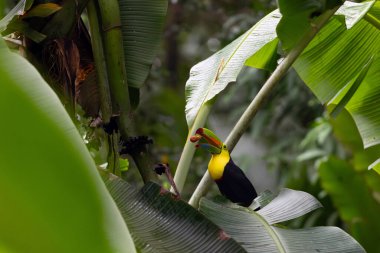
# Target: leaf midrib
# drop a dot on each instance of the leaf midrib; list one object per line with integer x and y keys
{"x": 222, "y": 68}
{"x": 272, "y": 233}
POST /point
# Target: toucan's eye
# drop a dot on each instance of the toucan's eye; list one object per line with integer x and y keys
{"x": 224, "y": 146}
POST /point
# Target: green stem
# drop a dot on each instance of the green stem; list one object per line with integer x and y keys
{"x": 117, "y": 78}
{"x": 114, "y": 55}
{"x": 259, "y": 100}
{"x": 189, "y": 148}
{"x": 372, "y": 20}
{"x": 201, "y": 190}
{"x": 100, "y": 63}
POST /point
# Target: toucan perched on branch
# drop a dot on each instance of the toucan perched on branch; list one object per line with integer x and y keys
{"x": 230, "y": 179}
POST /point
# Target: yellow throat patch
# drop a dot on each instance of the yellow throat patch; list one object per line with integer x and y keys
{"x": 217, "y": 164}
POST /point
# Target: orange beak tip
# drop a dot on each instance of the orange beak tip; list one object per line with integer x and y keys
{"x": 195, "y": 138}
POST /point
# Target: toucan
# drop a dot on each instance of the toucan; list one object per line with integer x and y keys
{"x": 231, "y": 180}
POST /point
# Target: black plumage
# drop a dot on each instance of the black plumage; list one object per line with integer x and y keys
{"x": 235, "y": 186}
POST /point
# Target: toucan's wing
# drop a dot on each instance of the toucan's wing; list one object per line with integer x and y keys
{"x": 236, "y": 186}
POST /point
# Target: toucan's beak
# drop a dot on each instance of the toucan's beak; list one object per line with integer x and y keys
{"x": 214, "y": 144}
{"x": 210, "y": 148}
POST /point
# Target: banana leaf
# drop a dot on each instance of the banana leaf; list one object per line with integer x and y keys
{"x": 52, "y": 198}
{"x": 160, "y": 222}
{"x": 257, "y": 231}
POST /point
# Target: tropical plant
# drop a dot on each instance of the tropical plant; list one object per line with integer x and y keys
{"x": 52, "y": 198}
{"x": 315, "y": 63}
{"x": 59, "y": 173}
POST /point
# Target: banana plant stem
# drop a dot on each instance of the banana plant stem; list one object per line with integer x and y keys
{"x": 114, "y": 56}
{"x": 189, "y": 148}
{"x": 117, "y": 79}
{"x": 100, "y": 63}
{"x": 260, "y": 98}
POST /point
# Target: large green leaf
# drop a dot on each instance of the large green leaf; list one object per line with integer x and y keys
{"x": 334, "y": 59}
{"x": 142, "y": 25}
{"x": 355, "y": 199}
{"x": 350, "y": 89}
{"x": 296, "y": 19}
{"x": 266, "y": 57}
{"x": 255, "y": 232}
{"x": 51, "y": 196}
{"x": 211, "y": 76}
{"x": 363, "y": 106}
{"x": 160, "y": 223}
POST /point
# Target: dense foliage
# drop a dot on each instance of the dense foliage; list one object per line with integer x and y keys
{"x": 301, "y": 81}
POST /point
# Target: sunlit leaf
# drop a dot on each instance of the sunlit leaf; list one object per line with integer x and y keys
{"x": 296, "y": 20}
{"x": 52, "y": 197}
{"x": 327, "y": 66}
{"x": 265, "y": 58}
{"x": 363, "y": 106}
{"x": 344, "y": 96}
{"x": 211, "y": 76}
{"x": 334, "y": 58}
{"x": 160, "y": 223}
